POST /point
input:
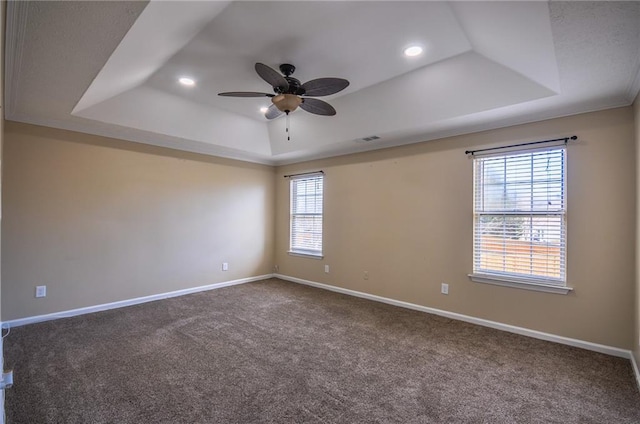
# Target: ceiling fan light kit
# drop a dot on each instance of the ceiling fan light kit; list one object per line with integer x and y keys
{"x": 291, "y": 94}
{"x": 286, "y": 102}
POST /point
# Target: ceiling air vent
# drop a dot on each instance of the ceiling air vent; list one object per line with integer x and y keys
{"x": 370, "y": 138}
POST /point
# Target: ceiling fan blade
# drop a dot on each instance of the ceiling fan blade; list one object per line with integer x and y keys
{"x": 319, "y": 107}
{"x": 272, "y": 112}
{"x": 273, "y": 77}
{"x": 245, "y": 94}
{"x": 324, "y": 86}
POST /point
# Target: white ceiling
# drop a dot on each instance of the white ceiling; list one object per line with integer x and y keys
{"x": 111, "y": 68}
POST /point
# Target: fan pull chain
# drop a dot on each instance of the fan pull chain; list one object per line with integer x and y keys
{"x": 288, "y": 128}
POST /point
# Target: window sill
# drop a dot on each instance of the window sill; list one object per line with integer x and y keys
{"x": 305, "y": 255}
{"x": 520, "y": 284}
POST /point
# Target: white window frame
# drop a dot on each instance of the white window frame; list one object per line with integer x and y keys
{"x": 296, "y": 248}
{"x": 484, "y": 274}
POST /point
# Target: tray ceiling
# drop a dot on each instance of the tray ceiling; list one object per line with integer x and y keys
{"x": 111, "y": 68}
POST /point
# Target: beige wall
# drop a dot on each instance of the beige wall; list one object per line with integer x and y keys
{"x": 3, "y": 6}
{"x": 636, "y": 332}
{"x": 2, "y": 36}
{"x": 99, "y": 220}
{"x": 405, "y": 216}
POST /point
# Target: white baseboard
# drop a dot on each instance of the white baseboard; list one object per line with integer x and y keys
{"x": 122, "y": 303}
{"x": 609, "y": 350}
{"x": 2, "y": 418}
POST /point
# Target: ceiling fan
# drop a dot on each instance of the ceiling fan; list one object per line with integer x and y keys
{"x": 290, "y": 93}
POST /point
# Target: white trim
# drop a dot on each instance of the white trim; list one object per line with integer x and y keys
{"x": 305, "y": 255}
{"x": 138, "y": 136}
{"x": 634, "y": 83}
{"x": 636, "y": 372}
{"x": 520, "y": 284}
{"x": 608, "y": 350}
{"x": 2, "y": 413}
{"x": 122, "y": 303}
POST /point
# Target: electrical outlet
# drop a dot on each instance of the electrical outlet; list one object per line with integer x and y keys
{"x": 276, "y": 268}
{"x": 365, "y": 275}
{"x": 225, "y": 266}
{"x": 326, "y": 269}
{"x": 444, "y": 289}
{"x": 41, "y": 291}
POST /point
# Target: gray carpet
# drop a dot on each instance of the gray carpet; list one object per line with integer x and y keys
{"x": 277, "y": 352}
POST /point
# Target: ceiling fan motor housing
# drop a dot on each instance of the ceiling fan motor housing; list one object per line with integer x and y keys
{"x": 295, "y": 87}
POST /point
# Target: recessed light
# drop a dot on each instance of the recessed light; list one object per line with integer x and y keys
{"x": 189, "y": 82}
{"x": 264, "y": 109}
{"x": 412, "y": 51}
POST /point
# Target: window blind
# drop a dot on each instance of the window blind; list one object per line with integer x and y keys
{"x": 306, "y": 213}
{"x": 520, "y": 215}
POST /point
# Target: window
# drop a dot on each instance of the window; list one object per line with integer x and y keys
{"x": 306, "y": 214}
{"x": 520, "y": 220}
